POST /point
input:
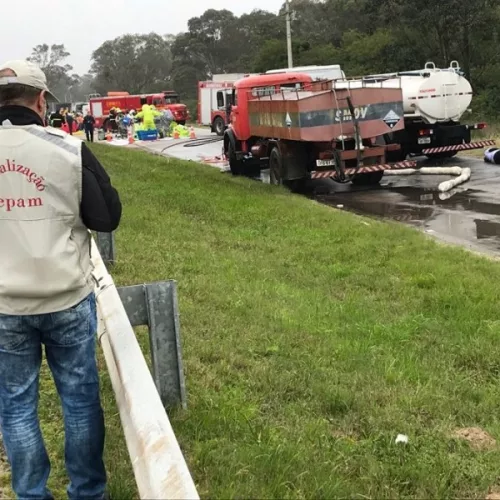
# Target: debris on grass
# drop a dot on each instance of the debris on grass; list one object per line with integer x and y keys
{"x": 477, "y": 438}
{"x": 402, "y": 438}
{"x": 493, "y": 493}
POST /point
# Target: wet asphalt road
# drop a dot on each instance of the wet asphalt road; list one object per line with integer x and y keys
{"x": 468, "y": 216}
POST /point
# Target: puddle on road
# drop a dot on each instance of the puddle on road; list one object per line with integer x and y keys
{"x": 463, "y": 216}
{"x": 373, "y": 205}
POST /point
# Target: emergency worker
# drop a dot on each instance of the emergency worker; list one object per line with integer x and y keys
{"x": 113, "y": 125}
{"x": 148, "y": 117}
{"x": 88, "y": 125}
{"x": 57, "y": 119}
{"x": 79, "y": 121}
{"x": 52, "y": 192}
{"x": 69, "y": 120}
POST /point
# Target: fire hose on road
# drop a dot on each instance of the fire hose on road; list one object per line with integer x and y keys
{"x": 192, "y": 143}
{"x": 462, "y": 175}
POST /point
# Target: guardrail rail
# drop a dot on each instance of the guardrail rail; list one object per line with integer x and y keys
{"x": 159, "y": 466}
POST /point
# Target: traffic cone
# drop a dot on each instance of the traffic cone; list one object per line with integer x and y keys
{"x": 109, "y": 137}
{"x": 176, "y": 134}
{"x": 130, "y": 136}
{"x": 192, "y": 133}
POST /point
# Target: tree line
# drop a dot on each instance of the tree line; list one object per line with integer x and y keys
{"x": 364, "y": 36}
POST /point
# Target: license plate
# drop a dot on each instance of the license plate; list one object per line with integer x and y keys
{"x": 426, "y": 197}
{"x": 325, "y": 163}
{"x": 424, "y": 140}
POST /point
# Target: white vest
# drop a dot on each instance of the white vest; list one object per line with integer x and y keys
{"x": 45, "y": 262}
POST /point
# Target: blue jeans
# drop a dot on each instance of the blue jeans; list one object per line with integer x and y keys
{"x": 70, "y": 345}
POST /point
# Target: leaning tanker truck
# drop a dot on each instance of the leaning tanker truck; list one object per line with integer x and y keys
{"x": 434, "y": 101}
{"x": 299, "y": 128}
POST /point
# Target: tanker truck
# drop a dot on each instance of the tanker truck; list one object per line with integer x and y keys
{"x": 301, "y": 129}
{"x": 434, "y": 101}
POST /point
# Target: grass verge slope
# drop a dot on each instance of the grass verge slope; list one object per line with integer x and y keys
{"x": 312, "y": 337}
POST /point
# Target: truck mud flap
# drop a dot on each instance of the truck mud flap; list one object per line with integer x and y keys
{"x": 365, "y": 170}
{"x": 458, "y": 147}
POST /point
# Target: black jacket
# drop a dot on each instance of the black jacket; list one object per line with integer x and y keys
{"x": 56, "y": 120}
{"x": 101, "y": 208}
{"x": 88, "y": 122}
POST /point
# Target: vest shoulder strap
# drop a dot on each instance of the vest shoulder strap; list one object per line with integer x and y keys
{"x": 55, "y": 136}
{"x": 58, "y": 138}
{"x": 56, "y": 132}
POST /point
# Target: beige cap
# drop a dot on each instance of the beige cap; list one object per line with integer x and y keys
{"x": 28, "y": 74}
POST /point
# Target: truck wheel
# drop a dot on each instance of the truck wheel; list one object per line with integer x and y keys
{"x": 218, "y": 126}
{"x": 276, "y": 167}
{"x": 235, "y": 165}
{"x": 181, "y": 122}
{"x": 442, "y": 156}
{"x": 369, "y": 179}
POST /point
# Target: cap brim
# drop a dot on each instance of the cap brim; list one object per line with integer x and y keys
{"x": 50, "y": 96}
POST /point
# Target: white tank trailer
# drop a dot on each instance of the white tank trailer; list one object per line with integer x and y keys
{"x": 434, "y": 101}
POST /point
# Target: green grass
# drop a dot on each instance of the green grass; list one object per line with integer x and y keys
{"x": 311, "y": 338}
{"x": 491, "y": 132}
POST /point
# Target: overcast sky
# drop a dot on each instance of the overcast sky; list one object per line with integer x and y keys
{"x": 83, "y": 26}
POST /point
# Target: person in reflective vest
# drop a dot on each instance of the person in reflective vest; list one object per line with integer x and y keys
{"x": 57, "y": 119}
{"x": 148, "y": 117}
{"x": 53, "y": 192}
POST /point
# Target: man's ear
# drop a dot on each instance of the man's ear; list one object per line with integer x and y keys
{"x": 41, "y": 103}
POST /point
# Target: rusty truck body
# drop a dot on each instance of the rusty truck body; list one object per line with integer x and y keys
{"x": 300, "y": 128}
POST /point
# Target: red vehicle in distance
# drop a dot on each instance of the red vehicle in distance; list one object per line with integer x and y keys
{"x": 168, "y": 99}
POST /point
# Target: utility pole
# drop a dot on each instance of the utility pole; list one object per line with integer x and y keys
{"x": 289, "y": 33}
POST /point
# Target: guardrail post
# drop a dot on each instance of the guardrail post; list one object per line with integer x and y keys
{"x": 155, "y": 305}
{"x": 106, "y": 245}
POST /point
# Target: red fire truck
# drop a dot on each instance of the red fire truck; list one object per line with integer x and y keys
{"x": 167, "y": 99}
{"x": 213, "y": 100}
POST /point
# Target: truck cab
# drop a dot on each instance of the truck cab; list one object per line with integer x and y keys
{"x": 171, "y": 97}
{"x": 169, "y": 100}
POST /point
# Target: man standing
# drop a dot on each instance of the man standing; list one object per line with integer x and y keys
{"x": 52, "y": 191}
{"x": 69, "y": 121}
{"x": 88, "y": 125}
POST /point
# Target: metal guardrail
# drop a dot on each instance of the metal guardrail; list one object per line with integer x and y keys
{"x": 155, "y": 306}
{"x": 106, "y": 244}
{"x": 159, "y": 467}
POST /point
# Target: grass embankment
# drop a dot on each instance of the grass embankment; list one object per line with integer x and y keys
{"x": 491, "y": 132}
{"x": 312, "y": 337}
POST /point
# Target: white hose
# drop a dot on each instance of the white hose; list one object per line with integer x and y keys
{"x": 463, "y": 175}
